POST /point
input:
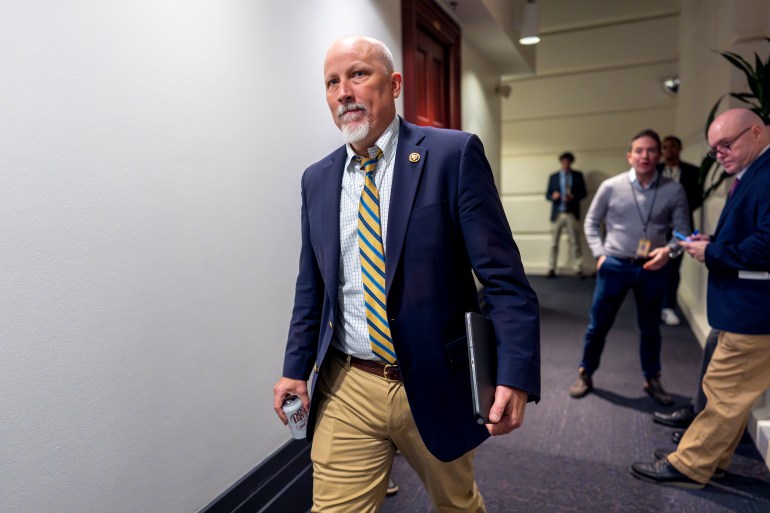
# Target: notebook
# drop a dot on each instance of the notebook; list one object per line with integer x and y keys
{"x": 482, "y": 355}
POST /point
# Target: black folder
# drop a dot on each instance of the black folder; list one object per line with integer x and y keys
{"x": 482, "y": 355}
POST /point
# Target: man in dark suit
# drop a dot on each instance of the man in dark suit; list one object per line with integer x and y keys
{"x": 737, "y": 256}
{"x": 688, "y": 175}
{"x": 566, "y": 188}
{"x": 386, "y": 347}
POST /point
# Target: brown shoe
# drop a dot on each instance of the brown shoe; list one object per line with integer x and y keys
{"x": 656, "y": 391}
{"x": 582, "y": 386}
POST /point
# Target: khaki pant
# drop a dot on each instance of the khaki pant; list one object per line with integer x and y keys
{"x": 737, "y": 375}
{"x": 566, "y": 221}
{"x": 362, "y": 418}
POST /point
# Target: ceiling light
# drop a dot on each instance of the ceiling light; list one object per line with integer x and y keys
{"x": 528, "y": 34}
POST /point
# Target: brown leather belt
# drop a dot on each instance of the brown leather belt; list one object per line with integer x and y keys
{"x": 383, "y": 370}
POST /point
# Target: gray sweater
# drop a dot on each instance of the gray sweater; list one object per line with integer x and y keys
{"x": 614, "y": 206}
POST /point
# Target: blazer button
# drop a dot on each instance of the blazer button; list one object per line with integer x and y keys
{"x": 331, "y": 325}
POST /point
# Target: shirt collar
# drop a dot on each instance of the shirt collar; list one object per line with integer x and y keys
{"x": 635, "y": 180}
{"x": 387, "y": 142}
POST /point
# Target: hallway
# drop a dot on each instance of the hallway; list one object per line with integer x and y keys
{"x": 573, "y": 455}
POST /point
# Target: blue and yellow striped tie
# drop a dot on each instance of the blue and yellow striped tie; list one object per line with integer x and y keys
{"x": 373, "y": 263}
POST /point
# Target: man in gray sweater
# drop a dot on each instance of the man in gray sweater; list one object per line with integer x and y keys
{"x": 637, "y": 208}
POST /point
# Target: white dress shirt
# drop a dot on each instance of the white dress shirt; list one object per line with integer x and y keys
{"x": 351, "y": 334}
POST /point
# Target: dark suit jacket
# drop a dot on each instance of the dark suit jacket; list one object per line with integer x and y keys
{"x": 578, "y": 193}
{"x": 693, "y": 189}
{"x": 445, "y": 219}
{"x": 742, "y": 241}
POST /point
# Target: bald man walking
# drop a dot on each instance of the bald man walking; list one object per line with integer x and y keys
{"x": 394, "y": 225}
{"x": 737, "y": 256}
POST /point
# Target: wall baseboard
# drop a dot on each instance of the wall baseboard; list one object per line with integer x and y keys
{"x": 283, "y": 483}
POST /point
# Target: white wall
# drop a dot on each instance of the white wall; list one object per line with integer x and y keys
{"x": 480, "y": 103}
{"x": 149, "y": 197}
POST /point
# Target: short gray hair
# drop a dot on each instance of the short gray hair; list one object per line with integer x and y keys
{"x": 383, "y": 54}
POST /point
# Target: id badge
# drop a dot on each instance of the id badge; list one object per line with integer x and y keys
{"x": 643, "y": 249}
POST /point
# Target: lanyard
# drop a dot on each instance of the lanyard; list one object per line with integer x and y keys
{"x": 652, "y": 205}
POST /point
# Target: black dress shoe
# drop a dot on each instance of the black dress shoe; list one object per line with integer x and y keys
{"x": 676, "y": 436}
{"x": 660, "y": 454}
{"x": 656, "y": 391}
{"x": 679, "y": 418}
{"x": 663, "y": 473}
{"x": 551, "y": 274}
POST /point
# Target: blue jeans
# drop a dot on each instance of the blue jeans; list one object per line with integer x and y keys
{"x": 614, "y": 279}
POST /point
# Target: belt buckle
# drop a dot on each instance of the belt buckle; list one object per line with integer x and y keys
{"x": 385, "y": 373}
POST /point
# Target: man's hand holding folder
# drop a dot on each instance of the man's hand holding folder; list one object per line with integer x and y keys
{"x": 500, "y": 408}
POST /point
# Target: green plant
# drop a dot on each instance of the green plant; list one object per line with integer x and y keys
{"x": 757, "y": 99}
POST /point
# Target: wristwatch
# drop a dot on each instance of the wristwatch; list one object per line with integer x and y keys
{"x": 675, "y": 252}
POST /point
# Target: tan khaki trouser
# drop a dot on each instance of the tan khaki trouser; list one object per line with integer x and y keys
{"x": 739, "y": 372}
{"x": 362, "y": 418}
{"x": 566, "y": 221}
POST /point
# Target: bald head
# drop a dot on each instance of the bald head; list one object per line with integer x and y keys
{"x": 366, "y": 45}
{"x": 737, "y": 136}
{"x": 361, "y": 89}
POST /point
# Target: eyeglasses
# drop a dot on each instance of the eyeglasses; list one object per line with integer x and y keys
{"x": 727, "y": 146}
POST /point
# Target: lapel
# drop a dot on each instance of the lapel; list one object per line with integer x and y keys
{"x": 331, "y": 190}
{"x": 406, "y": 179}
{"x": 743, "y": 188}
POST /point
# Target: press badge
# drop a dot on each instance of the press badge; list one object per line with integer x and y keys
{"x": 643, "y": 249}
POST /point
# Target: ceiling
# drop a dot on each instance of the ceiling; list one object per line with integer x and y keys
{"x": 492, "y": 25}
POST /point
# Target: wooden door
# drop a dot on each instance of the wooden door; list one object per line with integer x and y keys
{"x": 432, "y": 82}
{"x": 431, "y": 65}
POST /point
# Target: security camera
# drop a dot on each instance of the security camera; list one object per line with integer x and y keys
{"x": 503, "y": 90}
{"x": 671, "y": 85}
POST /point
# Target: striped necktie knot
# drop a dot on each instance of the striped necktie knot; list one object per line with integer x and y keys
{"x": 369, "y": 164}
{"x": 372, "y": 255}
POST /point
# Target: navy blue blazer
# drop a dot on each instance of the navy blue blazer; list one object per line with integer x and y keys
{"x": 445, "y": 221}
{"x": 742, "y": 242}
{"x": 578, "y": 193}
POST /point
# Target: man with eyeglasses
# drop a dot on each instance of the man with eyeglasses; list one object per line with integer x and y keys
{"x": 737, "y": 256}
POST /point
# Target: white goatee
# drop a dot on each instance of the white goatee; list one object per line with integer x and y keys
{"x": 353, "y": 131}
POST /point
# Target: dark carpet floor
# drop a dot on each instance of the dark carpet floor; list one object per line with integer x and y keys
{"x": 573, "y": 455}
